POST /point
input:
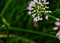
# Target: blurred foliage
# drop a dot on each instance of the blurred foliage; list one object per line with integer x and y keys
{"x": 14, "y": 20}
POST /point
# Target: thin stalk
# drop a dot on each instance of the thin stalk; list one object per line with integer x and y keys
{"x": 5, "y": 7}
{"x": 31, "y": 31}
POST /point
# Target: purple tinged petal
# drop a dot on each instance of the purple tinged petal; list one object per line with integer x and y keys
{"x": 55, "y": 28}
{"x": 58, "y": 34}
{"x": 57, "y": 23}
{"x": 31, "y": 4}
{"x": 30, "y": 8}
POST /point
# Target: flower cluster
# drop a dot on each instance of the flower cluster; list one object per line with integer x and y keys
{"x": 57, "y": 23}
{"x": 37, "y": 8}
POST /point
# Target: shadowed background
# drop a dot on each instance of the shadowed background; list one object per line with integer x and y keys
{"x": 17, "y": 27}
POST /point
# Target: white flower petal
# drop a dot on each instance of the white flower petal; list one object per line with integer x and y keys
{"x": 29, "y": 12}
{"x": 46, "y": 7}
{"x": 40, "y": 18}
{"x": 35, "y": 0}
{"x": 42, "y": 0}
{"x": 39, "y": 0}
{"x": 48, "y": 11}
{"x": 35, "y": 19}
{"x": 57, "y": 19}
{"x": 46, "y": 17}
{"x": 46, "y": 3}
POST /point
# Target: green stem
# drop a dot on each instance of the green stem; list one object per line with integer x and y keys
{"x": 31, "y": 31}
{"x": 5, "y": 21}
{"x": 53, "y": 17}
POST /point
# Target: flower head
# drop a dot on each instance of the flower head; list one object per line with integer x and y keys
{"x": 38, "y": 8}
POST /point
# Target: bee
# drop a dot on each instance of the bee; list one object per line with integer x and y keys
{"x": 35, "y": 24}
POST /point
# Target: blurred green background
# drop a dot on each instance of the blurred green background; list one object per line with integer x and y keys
{"x": 15, "y": 21}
